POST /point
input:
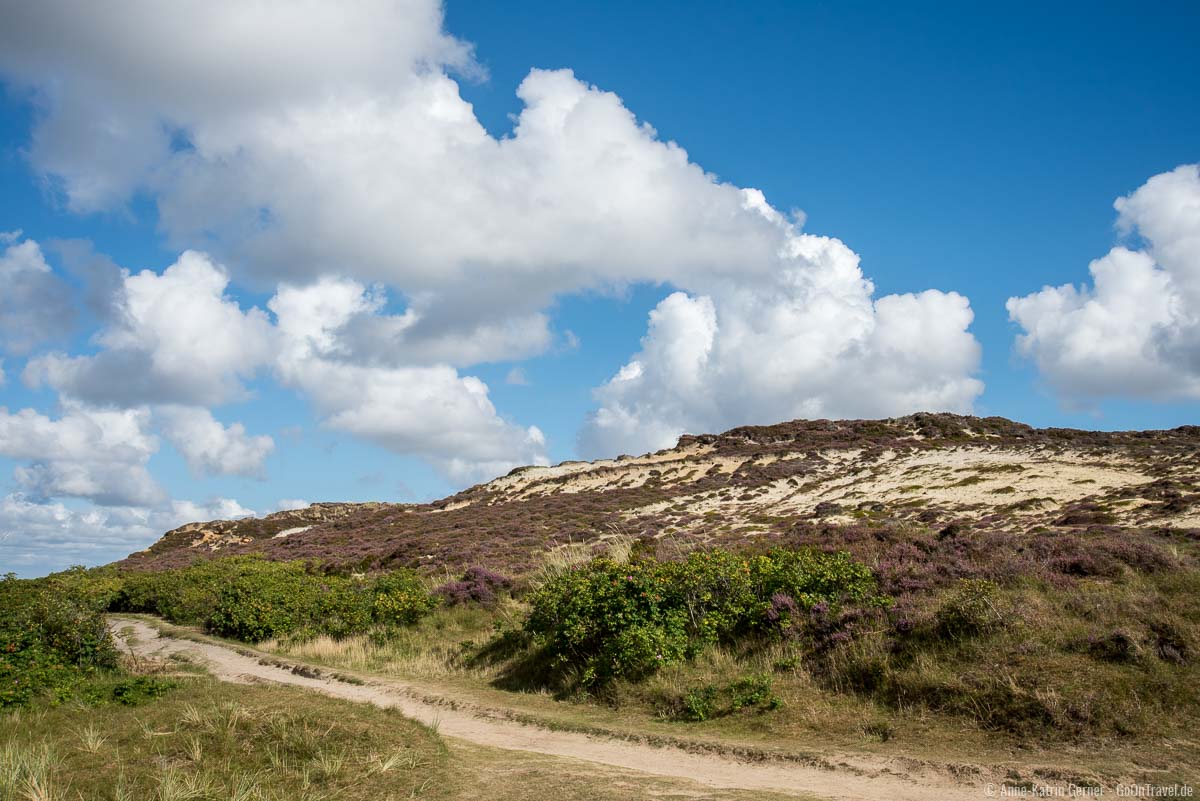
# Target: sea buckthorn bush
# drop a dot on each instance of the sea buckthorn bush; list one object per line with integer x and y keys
{"x": 253, "y": 599}
{"x": 606, "y": 620}
{"x": 51, "y": 640}
{"x": 400, "y": 598}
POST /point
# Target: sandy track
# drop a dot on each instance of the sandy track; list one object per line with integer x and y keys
{"x": 862, "y": 782}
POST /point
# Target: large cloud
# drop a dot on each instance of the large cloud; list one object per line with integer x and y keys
{"x": 117, "y": 81}
{"x": 1135, "y": 331}
{"x": 810, "y": 344}
{"x": 296, "y": 149}
{"x": 96, "y": 454}
{"x": 430, "y": 411}
{"x": 86, "y": 496}
{"x": 175, "y": 338}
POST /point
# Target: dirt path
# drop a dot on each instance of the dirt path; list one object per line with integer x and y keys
{"x": 886, "y": 779}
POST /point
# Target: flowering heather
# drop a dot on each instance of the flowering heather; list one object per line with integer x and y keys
{"x": 477, "y": 585}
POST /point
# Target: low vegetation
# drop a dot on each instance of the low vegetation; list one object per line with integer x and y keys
{"x": 53, "y": 639}
{"x": 206, "y": 741}
{"x": 252, "y": 599}
{"x": 917, "y": 636}
{"x": 78, "y": 719}
{"x": 1065, "y": 637}
{"x": 608, "y": 620}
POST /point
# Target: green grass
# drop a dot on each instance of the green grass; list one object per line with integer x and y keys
{"x": 211, "y": 741}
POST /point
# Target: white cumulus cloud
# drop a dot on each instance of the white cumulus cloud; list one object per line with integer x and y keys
{"x": 209, "y": 446}
{"x": 812, "y": 343}
{"x": 1135, "y": 331}
{"x": 429, "y": 411}
{"x": 175, "y": 337}
{"x": 90, "y": 453}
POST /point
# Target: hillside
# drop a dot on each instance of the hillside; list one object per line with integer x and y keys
{"x": 1034, "y": 493}
{"x": 971, "y": 599}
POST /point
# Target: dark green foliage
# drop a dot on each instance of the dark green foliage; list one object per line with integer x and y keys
{"x": 699, "y": 703}
{"x": 608, "y": 620}
{"x": 250, "y": 598}
{"x": 752, "y": 691}
{"x": 711, "y": 701}
{"x": 124, "y": 690}
{"x": 269, "y": 599}
{"x": 139, "y": 689}
{"x": 51, "y": 639}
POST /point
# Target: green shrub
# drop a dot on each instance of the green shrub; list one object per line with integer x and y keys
{"x": 699, "y": 703}
{"x": 752, "y": 691}
{"x": 51, "y": 639}
{"x": 264, "y": 600}
{"x": 711, "y": 701}
{"x": 400, "y": 598}
{"x": 606, "y": 620}
{"x": 582, "y": 618}
{"x": 251, "y": 598}
{"x": 126, "y": 690}
{"x": 185, "y": 596}
{"x": 139, "y": 689}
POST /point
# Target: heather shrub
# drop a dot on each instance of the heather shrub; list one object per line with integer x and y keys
{"x": 477, "y": 585}
{"x": 1144, "y": 555}
{"x": 784, "y": 613}
{"x": 827, "y": 627}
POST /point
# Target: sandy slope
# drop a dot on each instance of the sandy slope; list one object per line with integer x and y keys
{"x": 854, "y": 777}
{"x": 923, "y": 471}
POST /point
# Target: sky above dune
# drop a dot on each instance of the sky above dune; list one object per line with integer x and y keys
{"x": 255, "y": 255}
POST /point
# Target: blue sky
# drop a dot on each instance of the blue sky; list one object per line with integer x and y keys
{"x": 399, "y": 243}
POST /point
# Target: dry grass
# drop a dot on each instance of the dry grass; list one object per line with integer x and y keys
{"x": 616, "y": 544}
{"x": 432, "y": 649}
{"x": 213, "y": 742}
{"x": 27, "y": 771}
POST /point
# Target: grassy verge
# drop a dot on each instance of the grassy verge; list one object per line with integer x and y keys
{"x": 206, "y": 740}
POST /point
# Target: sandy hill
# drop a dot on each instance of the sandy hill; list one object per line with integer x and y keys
{"x": 1003, "y": 483}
